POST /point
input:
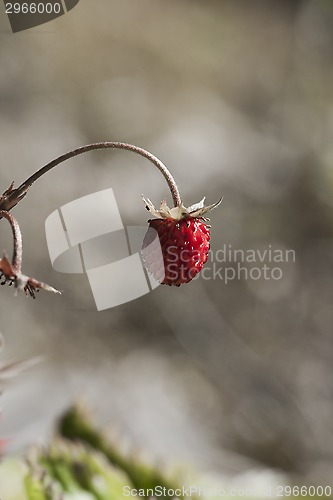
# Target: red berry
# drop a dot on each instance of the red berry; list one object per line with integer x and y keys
{"x": 184, "y": 244}
{"x": 176, "y": 245}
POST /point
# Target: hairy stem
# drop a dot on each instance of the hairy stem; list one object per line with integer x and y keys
{"x": 105, "y": 145}
{"x": 17, "y": 240}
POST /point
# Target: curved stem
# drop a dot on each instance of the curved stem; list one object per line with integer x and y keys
{"x": 17, "y": 240}
{"x": 105, "y": 145}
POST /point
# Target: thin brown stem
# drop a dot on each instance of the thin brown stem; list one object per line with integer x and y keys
{"x": 104, "y": 145}
{"x": 17, "y": 240}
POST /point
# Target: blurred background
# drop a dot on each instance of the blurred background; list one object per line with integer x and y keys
{"x": 236, "y": 98}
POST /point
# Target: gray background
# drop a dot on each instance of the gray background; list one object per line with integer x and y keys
{"x": 236, "y": 98}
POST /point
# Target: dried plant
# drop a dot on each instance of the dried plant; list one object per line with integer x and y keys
{"x": 11, "y": 272}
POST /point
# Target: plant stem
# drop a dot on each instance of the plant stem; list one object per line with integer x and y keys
{"x": 17, "y": 240}
{"x": 75, "y": 425}
{"x": 104, "y": 145}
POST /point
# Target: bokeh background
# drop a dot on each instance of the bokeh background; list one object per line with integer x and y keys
{"x": 236, "y": 97}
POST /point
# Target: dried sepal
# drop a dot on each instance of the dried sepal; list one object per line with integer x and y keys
{"x": 11, "y": 197}
{"x": 32, "y": 286}
{"x": 198, "y": 210}
{"x": 21, "y": 282}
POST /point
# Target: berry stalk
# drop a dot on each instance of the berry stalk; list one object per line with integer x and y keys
{"x": 18, "y": 193}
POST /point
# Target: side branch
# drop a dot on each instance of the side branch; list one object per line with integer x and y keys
{"x": 12, "y": 271}
{"x": 17, "y": 240}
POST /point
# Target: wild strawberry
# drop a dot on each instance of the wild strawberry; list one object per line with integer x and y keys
{"x": 183, "y": 239}
{"x": 175, "y": 257}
